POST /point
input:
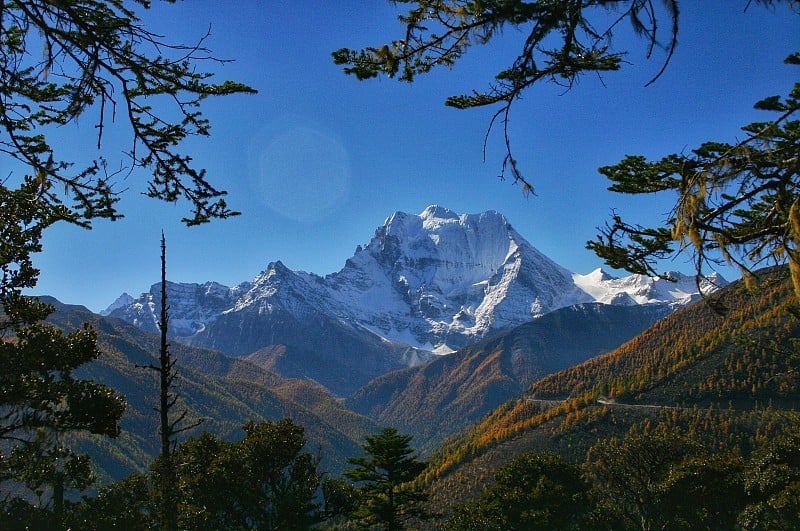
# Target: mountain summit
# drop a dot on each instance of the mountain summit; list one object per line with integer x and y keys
{"x": 439, "y": 280}
{"x": 436, "y": 281}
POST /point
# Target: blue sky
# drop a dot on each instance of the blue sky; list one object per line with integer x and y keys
{"x": 317, "y": 160}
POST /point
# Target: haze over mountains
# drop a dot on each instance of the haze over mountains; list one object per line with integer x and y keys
{"x": 428, "y": 283}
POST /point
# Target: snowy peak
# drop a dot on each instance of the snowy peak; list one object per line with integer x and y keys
{"x": 441, "y": 246}
{"x": 436, "y": 280}
{"x": 122, "y": 301}
{"x": 191, "y": 306}
{"x": 676, "y": 290}
{"x": 438, "y": 212}
{"x": 443, "y": 280}
{"x": 279, "y": 288}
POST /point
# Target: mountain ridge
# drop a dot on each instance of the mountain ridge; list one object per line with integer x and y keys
{"x": 429, "y": 283}
{"x": 727, "y": 379}
{"x": 448, "y": 393}
{"x": 436, "y": 281}
{"x": 223, "y": 390}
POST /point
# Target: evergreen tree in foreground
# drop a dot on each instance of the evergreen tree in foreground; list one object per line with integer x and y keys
{"x": 387, "y": 496}
{"x": 40, "y": 397}
{"x": 531, "y": 491}
{"x": 60, "y": 62}
{"x": 264, "y": 481}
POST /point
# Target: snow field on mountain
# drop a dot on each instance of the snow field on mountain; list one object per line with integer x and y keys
{"x": 436, "y": 281}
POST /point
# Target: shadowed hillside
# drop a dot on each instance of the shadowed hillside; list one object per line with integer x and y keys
{"x": 450, "y": 393}
{"x": 223, "y": 391}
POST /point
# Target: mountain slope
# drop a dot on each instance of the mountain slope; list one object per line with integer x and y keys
{"x": 339, "y": 355}
{"x": 432, "y": 282}
{"x": 224, "y": 391}
{"x": 451, "y": 392}
{"x": 709, "y": 375}
{"x": 445, "y": 280}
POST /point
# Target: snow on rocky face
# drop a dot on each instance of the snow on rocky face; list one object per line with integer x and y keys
{"x": 191, "y": 306}
{"x": 640, "y": 289}
{"x": 437, "y": 281}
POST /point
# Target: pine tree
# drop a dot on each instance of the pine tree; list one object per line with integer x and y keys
{"x": 387, "y": 497}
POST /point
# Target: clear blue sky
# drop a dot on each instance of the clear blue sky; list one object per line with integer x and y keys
{"x": 317, "y": 160}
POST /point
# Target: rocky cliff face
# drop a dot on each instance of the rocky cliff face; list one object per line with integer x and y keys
{"x": 441, "y": 280}
{"x": 433, "y": 282}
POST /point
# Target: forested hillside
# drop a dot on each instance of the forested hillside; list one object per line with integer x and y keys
{"x": 224, "y": 392}
{"x": 723, "y": 373}
{"x": 449, "y": 393}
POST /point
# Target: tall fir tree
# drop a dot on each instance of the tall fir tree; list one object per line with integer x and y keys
{"x": 387, "y": 496}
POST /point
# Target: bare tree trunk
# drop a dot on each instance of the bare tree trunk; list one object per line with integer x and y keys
{"x": 168, "y": 479}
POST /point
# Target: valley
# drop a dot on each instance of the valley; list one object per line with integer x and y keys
{"x": 556, "y": 350}
{"x": 653, "y": 358}
{"x": 565, "y": 382}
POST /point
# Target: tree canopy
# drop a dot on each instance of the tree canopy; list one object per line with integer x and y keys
{"x": 263, "y": 481}
{"x": 531, "y": 491}
{"x": 98, "y": 62}
{"x": 41, "y": 399}
{"x": 61, "y": 62}
{"x": 40, "y": 395}
{"x": 385, "y": 473}
{"x": 739, "y": 201}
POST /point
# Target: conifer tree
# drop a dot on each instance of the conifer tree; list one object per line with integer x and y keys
{"x": 92, "y": 60}
{"x": 263, "y": 481}
{"x": 734, "y": 202}
{"x": 40, "y": 396}
{"x": 170, "y": 424}
{"x": 386, "y": 496}
{"x": 561, "y": 41}
{"x": 102, "y": 65}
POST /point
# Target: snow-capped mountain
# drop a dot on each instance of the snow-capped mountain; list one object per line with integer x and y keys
{"x": 122, "y": 301}
{"x": 440, "y": 281}
{"x": 191, "y": 306}
{"x": 436, "y": 281}
{"x": 679, "y": 291}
